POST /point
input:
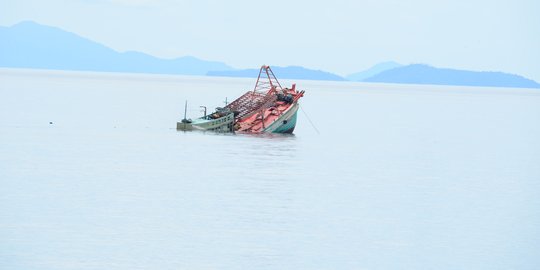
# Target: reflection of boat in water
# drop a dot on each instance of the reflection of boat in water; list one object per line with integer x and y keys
{"x": 268, "y": 108}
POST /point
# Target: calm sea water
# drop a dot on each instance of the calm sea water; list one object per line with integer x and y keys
{"x": 399, "y": 177}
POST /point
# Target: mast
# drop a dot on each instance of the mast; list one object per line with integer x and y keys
{"x": 266, "y": 81}
{"x": 185, "y": 111}
{"x": 262, "y": 95}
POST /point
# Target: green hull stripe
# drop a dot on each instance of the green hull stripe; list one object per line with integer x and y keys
{"x": 291, "y": 123}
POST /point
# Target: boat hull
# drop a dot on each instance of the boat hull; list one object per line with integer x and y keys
{"x": 286, "y": 123}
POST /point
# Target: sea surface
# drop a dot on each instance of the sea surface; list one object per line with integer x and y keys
{"x": 94, "y": 175}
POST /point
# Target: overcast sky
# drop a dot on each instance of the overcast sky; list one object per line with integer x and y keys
{"x": 338, "y": 36}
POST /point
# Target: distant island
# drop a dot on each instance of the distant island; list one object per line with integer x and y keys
{"x": 291, "y": 72}
{"x": 376, "y": 69}
{"x": 32, "y": 45}
{"x": 424, "y": 74}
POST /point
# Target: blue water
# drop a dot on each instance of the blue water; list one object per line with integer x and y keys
{"x": 399, "y": 177}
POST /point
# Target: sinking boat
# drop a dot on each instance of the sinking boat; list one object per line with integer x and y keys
{"x": 268, "y": 108}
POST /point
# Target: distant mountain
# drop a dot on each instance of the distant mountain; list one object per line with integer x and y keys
{"x": 31, "y": 45}
{"x": 291, "y": 72}
{"x": 424, "y": 74}
{"x": 376, "y": 69}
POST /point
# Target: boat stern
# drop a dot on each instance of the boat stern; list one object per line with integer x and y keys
{"x": 184, "y": 126}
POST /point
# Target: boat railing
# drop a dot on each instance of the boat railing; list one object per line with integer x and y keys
{"x": 250, "y": 102}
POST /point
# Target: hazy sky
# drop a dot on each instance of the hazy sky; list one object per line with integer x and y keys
{"x": 337, "y": 36}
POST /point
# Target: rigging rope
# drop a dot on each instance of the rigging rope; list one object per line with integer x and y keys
{"x": 313, "y": 125}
